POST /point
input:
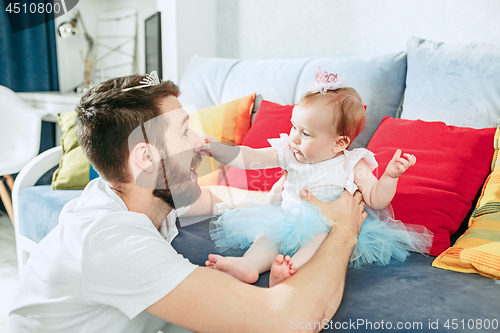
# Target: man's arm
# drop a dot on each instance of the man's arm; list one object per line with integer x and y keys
{"x": 211, "y": 301}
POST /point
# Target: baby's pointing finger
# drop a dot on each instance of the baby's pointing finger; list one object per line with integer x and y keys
{"x": 397, "y": 155}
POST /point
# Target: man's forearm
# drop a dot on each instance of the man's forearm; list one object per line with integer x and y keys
{"x": 319, "y": 284}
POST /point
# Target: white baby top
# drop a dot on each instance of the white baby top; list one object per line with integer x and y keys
{"x": 99, "y": 269}
{"x": 326, "y": 180}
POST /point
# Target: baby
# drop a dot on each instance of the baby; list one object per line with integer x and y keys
{"x": 283, "y": 236}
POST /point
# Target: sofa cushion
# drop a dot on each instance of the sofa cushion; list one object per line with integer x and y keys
{"x": 275, "y": 79}
{"x": 379, "y": 80}
{"x": 74, "y": 171}
{"x": 452, "y": 164}
{"x": 39, "y": 209}
{"x": 212, "y": 81}
{"x": 203, "y": 81}
{"x": 452, "y": 82}
{"x": 478, "y": 249}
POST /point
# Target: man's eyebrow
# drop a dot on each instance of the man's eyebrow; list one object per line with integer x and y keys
{"x": 186, "y": 118}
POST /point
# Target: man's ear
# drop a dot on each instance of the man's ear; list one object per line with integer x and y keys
{"x": 342, "y": 143}
{"x": 142, "y": 156}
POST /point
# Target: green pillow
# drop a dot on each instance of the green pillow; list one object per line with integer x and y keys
{"x": 74, "y": 170}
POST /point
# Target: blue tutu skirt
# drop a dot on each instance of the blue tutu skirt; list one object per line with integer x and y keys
{"x": 381, "y": 237}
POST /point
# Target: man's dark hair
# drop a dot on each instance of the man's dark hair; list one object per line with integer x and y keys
{"x": 106, "y": 115}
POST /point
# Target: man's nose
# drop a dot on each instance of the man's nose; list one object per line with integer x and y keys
{"x": 198, "y": 141}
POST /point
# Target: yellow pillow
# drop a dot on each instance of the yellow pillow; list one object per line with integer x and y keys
{"x": 74, "y": 170}
{"x": 478, "y": 249}
{"x": 228, "y": 123}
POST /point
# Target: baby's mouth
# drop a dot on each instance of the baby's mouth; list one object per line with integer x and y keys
{"x": 296, "y": 151}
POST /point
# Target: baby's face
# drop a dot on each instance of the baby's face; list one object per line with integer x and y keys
{"x": 311, "y": 137}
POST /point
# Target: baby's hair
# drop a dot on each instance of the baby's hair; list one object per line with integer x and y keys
{"x": 348, "y": 112}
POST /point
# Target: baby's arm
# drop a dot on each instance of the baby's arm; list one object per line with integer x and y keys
{"x": 378, "y": 193}
{"x": 241, "y": 157}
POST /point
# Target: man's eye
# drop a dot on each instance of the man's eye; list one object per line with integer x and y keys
{"x": 186, "y": 131}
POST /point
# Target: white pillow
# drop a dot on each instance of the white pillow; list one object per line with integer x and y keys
{"x": 458, "y": 84}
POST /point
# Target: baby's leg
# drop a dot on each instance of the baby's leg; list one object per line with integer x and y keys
{"x": 256, "y": 260}
{"x": 284, "y": 267}
{"x": 307, "y": 251}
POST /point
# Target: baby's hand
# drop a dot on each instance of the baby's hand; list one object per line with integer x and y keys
{"x": 398, "y": 165}
{"x": 275, "y": 193}
{"x": 210, "y": 144}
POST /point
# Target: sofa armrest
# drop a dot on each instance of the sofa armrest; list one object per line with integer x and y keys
{"x": 32, "y": 171}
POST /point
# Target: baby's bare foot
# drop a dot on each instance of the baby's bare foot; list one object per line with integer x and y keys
{"x": 282, "y": 268}
{"x": 240, "y": 268}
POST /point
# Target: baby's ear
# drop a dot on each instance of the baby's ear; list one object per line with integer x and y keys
{"x": 342, "y": 143}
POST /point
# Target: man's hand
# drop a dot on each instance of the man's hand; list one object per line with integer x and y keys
{"x": 398, "y": 165}
{"x": 346, "y": 214}
{"x": 275, "y": 193}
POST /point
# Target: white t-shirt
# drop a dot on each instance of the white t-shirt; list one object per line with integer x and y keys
{"x": 99, "y": 269}
{"x": 326, "y": 180}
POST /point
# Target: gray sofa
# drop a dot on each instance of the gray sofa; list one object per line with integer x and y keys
{"x": 409, "y": 296}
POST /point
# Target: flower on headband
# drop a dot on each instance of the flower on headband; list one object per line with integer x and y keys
{"x": 326, "y": 81}
{"x": 151, "y": 79}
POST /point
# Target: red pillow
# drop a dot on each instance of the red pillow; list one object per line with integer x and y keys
{"x": 271, "y": 120}
{"x": 452, "y": 164}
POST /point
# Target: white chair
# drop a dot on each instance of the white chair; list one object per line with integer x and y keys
{"x": 28, "y": 177}
{"x": 20, "y": 128}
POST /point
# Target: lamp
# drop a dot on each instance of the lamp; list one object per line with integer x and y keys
{"x": 68, "y": 29}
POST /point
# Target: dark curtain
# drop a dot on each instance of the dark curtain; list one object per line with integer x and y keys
{"x": 28, "y": 60}
{"x": 28, "y": 63}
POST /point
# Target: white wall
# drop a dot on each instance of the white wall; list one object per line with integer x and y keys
{"x": 145, "y": 8}
{"x": 325, "y": 28}
{"x": 196, "y": 31}
{"x": 285, "y": 28}
{"x": 188, "y": 28}
{"x": 69, "y": 60}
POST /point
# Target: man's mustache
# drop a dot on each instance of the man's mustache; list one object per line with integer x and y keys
{"x": 176, "y": 180}
{"x": 196, "y": 160}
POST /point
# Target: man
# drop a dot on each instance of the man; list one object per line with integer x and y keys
{"x": 109, "y": 266}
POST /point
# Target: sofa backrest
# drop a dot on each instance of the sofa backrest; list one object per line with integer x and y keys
{"x": 380, "y": 81}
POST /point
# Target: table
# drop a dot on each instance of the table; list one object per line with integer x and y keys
{"x": 53, "y": 102}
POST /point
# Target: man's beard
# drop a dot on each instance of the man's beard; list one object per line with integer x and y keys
{"x": 175, "y": 186}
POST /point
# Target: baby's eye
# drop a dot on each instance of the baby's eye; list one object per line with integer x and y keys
{"x": 294, "y": 128}
{"x": 306, "y": 134}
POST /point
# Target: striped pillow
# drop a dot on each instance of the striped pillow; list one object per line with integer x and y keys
{"x": 478, "y": 249}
